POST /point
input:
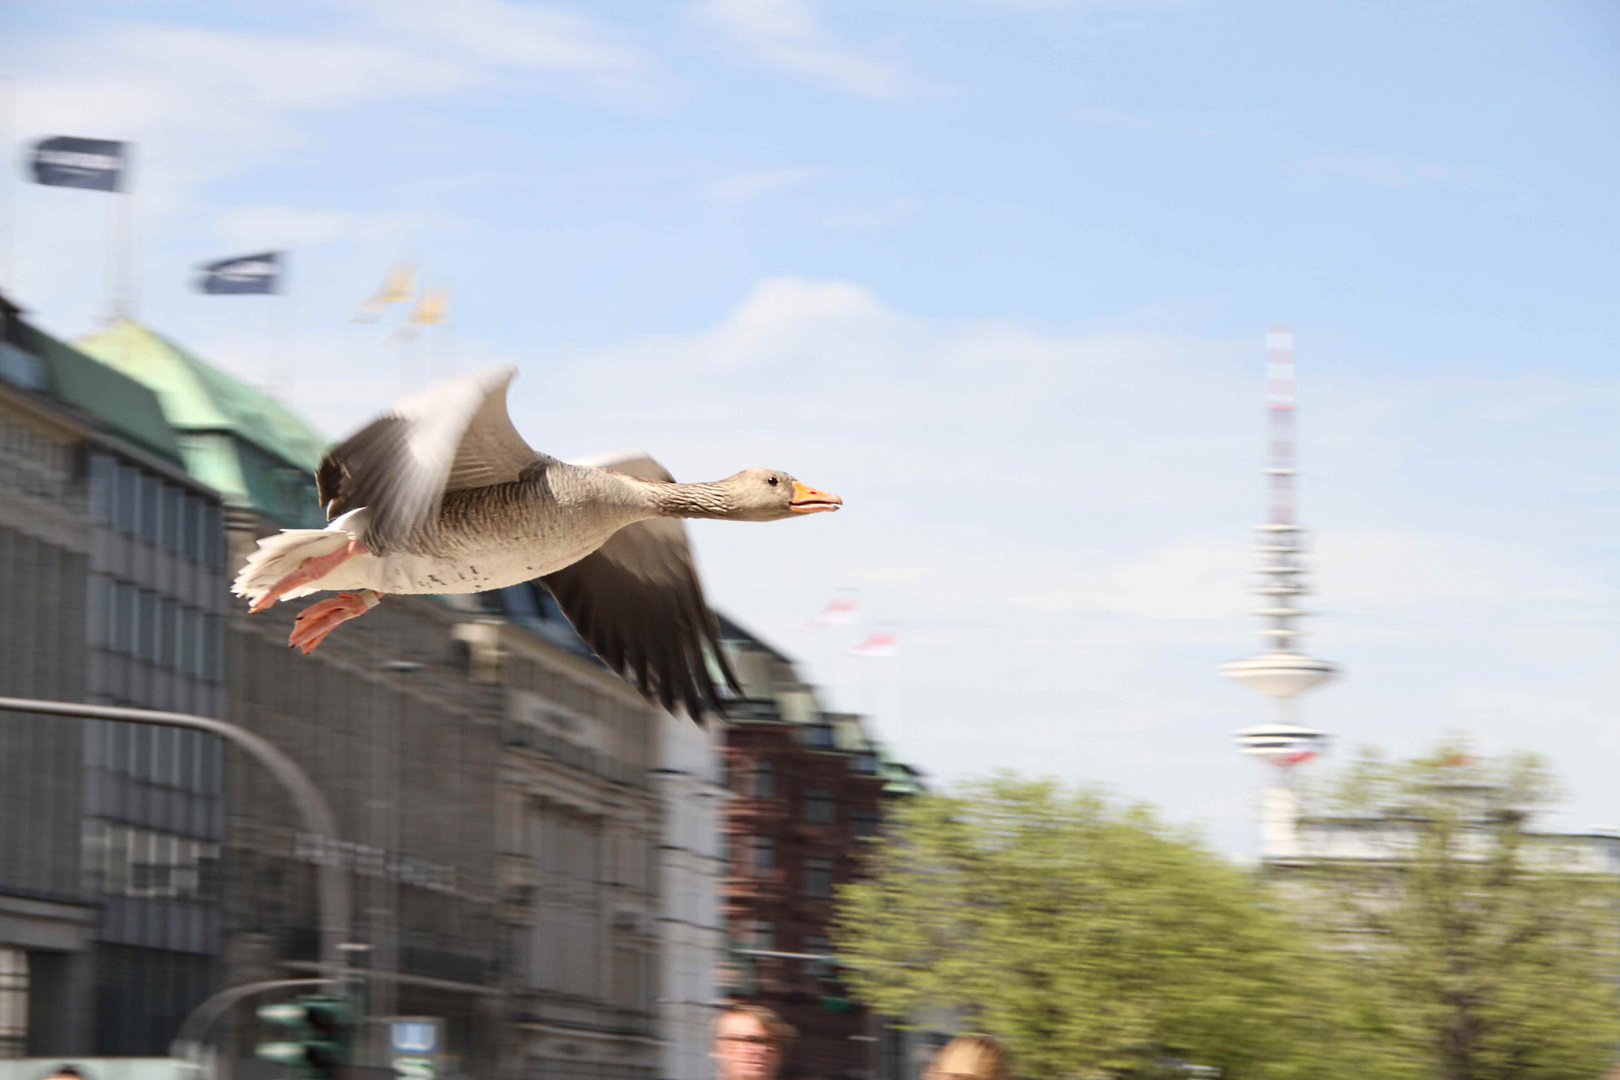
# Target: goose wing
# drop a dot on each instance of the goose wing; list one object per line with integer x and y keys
{"x": 452, "y": 435}
{"x": 638, "y": 602}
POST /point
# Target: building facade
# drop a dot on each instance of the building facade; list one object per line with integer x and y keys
{"x": 808, "y": 787}
{"x": 113, "y": 564}
{"x": 694, "y": 863}
{"x": 578, "y": 830}
{"x": 387, "y": 720}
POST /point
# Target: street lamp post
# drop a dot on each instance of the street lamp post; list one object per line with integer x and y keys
{"x": 332, "y": 883}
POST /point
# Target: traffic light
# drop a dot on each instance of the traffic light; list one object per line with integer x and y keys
{"x": 316, "y": 1042}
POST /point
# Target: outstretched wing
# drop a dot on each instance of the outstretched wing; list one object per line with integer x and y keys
{"x": 452, "y": 435}
{"x": 638, "y": 602}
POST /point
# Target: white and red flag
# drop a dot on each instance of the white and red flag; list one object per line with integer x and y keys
{"x": 841, "y": 612}
{"x": 882, "y": 645}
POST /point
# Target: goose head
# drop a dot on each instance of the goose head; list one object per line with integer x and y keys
{"x": 771, "y": 495}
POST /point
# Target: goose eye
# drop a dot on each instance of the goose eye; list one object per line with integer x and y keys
{"x": 771, "y": 480}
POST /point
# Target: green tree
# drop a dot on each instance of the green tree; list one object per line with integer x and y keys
{"x": 1490, "y": 950}
{"x": 1091, "y": 938}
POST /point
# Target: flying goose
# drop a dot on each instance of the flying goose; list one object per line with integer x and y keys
{"x": 442, "y": 495}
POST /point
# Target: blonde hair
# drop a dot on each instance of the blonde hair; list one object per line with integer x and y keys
{"x": 977, "y": 1056}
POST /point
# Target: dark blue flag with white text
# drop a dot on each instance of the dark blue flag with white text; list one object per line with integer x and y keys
{"x": 69, "y": 161}
{"x": 244, "y": 274}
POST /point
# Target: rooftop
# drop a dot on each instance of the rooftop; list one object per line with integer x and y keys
{"x": 240, "y": 440}
{"x": 111, "y": 399}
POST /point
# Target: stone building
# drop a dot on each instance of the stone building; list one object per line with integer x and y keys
{"x": 385, "y": 717}
{"x": 807, "y": 787}
{"x": 531, "y": 843}
{"x": 611, "y": 857}
{"x": 695, "y": 864}
{"x": 112, "y": 568}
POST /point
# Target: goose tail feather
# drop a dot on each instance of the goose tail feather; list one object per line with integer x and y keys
{"x": 281, "y": 554}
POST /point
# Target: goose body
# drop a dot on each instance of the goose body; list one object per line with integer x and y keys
{"x": 441, "y": 495}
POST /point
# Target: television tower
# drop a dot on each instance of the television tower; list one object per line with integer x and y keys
{"x": 1280, "y": 670}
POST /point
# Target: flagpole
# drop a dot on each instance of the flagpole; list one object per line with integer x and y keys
{"x": 112, "y": 259}
{"x": 124, "y": 242}
{"x": 289, "y": 327}
{"x": 8, "y": 212}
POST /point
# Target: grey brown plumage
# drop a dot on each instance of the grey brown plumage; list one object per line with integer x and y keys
{"x": 442, "y": 495}
{"x": 643, "y": 578}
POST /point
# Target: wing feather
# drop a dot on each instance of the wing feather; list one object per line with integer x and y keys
{"x": 638, "y": 602}
{"x": 453, "y": 435}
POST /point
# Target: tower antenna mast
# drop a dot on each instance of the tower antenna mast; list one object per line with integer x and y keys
{"x": 1281, "y": 670}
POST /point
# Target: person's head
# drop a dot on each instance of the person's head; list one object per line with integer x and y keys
{"x": 750, "y": 1042}
{"x": 65, "y": 1072}
{"x": 969, "y": 1057}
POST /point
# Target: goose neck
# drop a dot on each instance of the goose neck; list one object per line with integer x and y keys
{"x": 690, "y": 500}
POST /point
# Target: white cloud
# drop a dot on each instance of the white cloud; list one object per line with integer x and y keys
{"x": 524, "y": 37}
{"x": 746, "y": 186}
{"x": 787, "y": 36}
{"x": 281, "y": 226}
{"x": 204, "y": 103}
{"x": 1386, "y": 171}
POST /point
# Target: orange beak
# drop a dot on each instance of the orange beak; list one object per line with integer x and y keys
{"x": 807, "y": 500}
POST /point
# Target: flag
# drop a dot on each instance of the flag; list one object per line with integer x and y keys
{"x": 430, "y": 309}
{"x": 69, "y": 161}
{"x": 841, "y": 612}
{"x": 880, "y": 645}
{"x": 395, "y": 287}
{"x": 244, "y": 274}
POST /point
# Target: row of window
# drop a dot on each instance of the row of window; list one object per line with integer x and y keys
{"x": 816, "y": 875}
{"x": 122, "y": 860}
{"x": 189, "y": 760}
{"x": 818, "y": 806}
{"x": 761, "y": 934}
{"x": 137, "y": 622}
{"x": 33, "y": 461}
{"x": 141, "y": 504}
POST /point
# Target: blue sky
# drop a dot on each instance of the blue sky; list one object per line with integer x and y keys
{"x": 996, "y": 272}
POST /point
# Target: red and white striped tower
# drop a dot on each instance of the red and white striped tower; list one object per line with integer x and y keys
{"x": 1280, "y": 670}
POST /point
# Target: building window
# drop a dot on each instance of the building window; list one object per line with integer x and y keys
{"x": 121, "y": 634}
{"x": 103, "y": 488}
{"x": 214, "y": 547}
{"x": 146, "y": 631}
{"x": 126, "y": 493}
{"x": 194, "y": 528}
{"x": 120, "y": 860}
{"x": 865, "y": 763}
{"x": 174, "y": 521}
{"x": 151, "y": 508}
{"x": 817, "y": 945}
{"x": 168, "y": 633}
{"x": 818, "y": 735}
{"x": 863, "y": 823}
{"x": 761, "y": 855}
{"x": 819, "y": 808}
{"x": 186, "y": 642}
{"x": 763, "y": 935}
{"x": 763, "y": 781}
{"x": 818, "y": 878}
{"x": 13, "y": 1001}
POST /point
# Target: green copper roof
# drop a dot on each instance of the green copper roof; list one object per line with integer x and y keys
{"x": 243, "y": 442}
{"x": 121, "y": 403}
{"x": 200, "y": 397}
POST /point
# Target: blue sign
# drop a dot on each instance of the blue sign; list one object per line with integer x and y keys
{"x": 416, "y": 1036}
